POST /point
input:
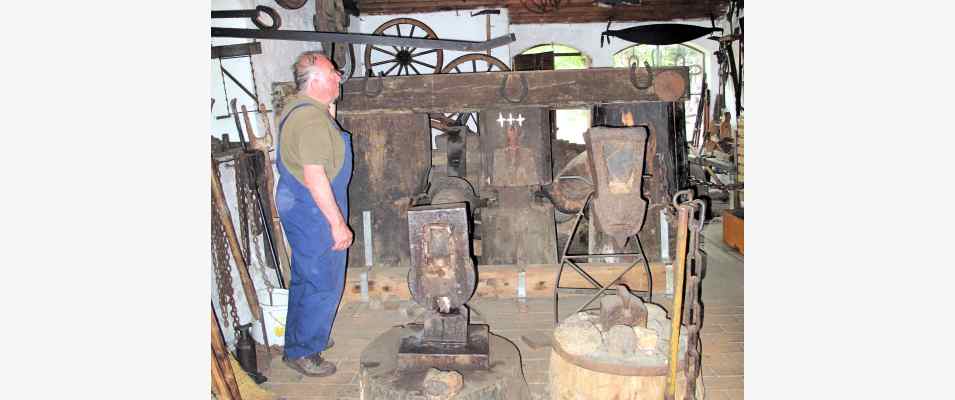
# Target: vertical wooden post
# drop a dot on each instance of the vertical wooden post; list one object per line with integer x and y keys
{"x": 226, "y": 219}
{"x": 676, "y": 313}
{"x": 223, "y": 378}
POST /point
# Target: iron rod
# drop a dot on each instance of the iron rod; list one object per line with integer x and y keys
{"x": 361, "y": 38}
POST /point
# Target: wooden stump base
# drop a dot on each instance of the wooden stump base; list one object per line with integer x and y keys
{"x": 570, "y": 381}
{"x": 379, "y": 377}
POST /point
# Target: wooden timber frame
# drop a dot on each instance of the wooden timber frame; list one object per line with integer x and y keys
{"x": 388, "y": 120}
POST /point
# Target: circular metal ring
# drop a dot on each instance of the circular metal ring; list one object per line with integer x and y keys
{"x": 688, "y": 193}
{"x": 291, "y": 4}
{"x": 276, "y": 19}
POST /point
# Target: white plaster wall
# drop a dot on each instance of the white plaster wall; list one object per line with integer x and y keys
{"x": 274, "y": 64}
{"x": 457, "y": 25}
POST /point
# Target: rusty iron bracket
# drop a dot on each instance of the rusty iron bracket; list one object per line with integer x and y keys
{"x": 503, "y": 90}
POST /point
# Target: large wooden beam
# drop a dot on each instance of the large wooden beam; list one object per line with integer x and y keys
{"x": 481, "y": 91}
{"x": 569, "y": 11}
{"x": 392, "y": 155}
{"x": 500, "y": 281}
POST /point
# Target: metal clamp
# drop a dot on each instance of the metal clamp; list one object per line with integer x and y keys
{"x": 276, "y": 19}
{"x": 381, "y": 85}
{"x": 503, "y": 91}
{"x": 633, "y": 76}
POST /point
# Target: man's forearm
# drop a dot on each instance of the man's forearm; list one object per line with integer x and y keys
{"x": 321, "y": 190}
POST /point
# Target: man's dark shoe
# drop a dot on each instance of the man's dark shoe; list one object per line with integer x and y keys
{"x": 313, "y": 366}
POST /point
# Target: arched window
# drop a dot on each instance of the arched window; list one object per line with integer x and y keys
{"x": 569, "y": 123}
{"x": 669, "y": 56}
{"x": 565, "y": 57}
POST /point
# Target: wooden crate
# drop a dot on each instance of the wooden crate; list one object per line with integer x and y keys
{"x": 733, "y": 228}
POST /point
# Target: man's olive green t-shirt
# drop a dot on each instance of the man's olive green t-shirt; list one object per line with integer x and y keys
{"x": 310, "y": 136}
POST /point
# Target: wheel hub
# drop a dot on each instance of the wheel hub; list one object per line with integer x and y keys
{"x": 404, "y": 57}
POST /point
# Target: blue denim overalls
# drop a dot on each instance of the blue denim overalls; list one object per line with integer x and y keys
{"x": 318, "y": 272}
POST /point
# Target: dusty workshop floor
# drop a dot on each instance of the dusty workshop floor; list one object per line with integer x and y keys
{"x": 357, "y": 325}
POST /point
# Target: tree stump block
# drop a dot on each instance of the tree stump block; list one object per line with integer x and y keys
{"x": 380, "y": 379}
{"x": 604, "y": 372}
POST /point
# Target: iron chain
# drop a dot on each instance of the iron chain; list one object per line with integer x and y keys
{"x": 693, "y": 312}
{"x": 248, "y": 199}
{"x": 223, "y": 272}
{"x": 731, "y": 186}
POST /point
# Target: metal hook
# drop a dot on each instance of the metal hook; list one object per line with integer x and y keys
{"x": 633, "y": 76}
{"x": 276, "y": 19}
{"x": 503, "y": 90}
{"x": 688, "y": 193}
{"x": 381, "y": 84}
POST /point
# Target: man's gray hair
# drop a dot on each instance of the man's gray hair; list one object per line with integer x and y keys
{"x": 305, "y": 69}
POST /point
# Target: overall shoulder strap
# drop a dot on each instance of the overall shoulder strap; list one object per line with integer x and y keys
{"x": 289, "y": 113}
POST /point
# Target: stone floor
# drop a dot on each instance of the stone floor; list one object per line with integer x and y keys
{"x": 357, "y": 324}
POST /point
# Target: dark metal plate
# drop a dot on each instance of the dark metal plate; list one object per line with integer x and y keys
{"x": 616, "y": 161}
{"x": 442, "y": 272}
{"x": 415, "y": 354}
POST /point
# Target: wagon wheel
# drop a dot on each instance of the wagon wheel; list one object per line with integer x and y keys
{"x": 467, "y": 64}
{"x": 403, "y": 60}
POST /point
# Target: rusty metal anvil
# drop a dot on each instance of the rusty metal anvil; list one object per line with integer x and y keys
{"x": 442, "y": 279}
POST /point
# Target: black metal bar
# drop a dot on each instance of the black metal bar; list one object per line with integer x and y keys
{"x": 576, "y": 256}
{"x": 593, "y": 290}
{"x": 235, "y": 13}
{"x": 361, "y": 38}
{"x": 584, "y": 274}
{"x": 236, "y": 50}
{"x": 236, "y": 81}
{"x": 604, "y": 288}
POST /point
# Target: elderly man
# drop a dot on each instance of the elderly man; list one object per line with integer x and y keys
{"x": 315, "y": 162}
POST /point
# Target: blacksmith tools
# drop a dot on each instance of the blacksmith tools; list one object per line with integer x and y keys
{"x": 264, "y": 213}
{"x": 690, "y": 216}
{"x": 615, "y": 157}
{"x": 442, "y": 279}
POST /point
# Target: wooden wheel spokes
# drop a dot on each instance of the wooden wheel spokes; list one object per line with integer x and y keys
{"x": 467, "y": 64}
{"x": 403, "y": 60}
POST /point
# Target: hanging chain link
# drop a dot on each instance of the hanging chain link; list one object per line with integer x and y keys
{"x": 248, "y": 199}
{"x": 721, "y": 186}
{"x": 242, "y": 203}
{"x": 223, "y": 271}
{"x": 693, "y": 311}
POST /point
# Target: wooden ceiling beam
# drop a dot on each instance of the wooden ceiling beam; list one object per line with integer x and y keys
{"x": 573, "y": 11}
